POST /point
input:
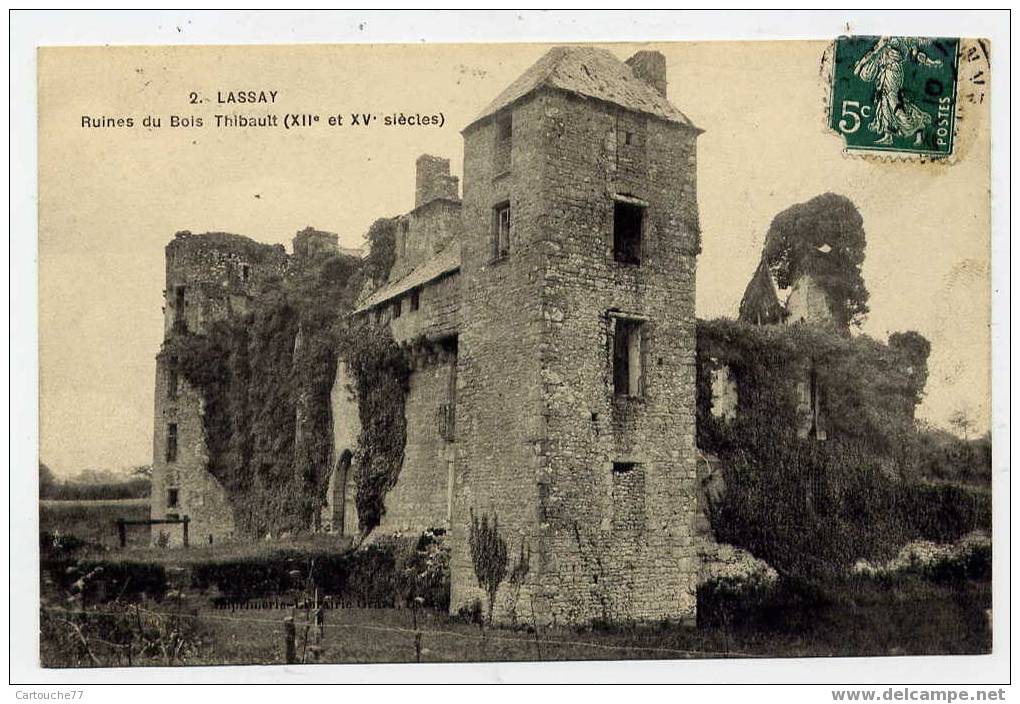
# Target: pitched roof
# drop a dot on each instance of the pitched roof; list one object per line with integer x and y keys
{"x": 445, "y": 262}
{"x": 591, "y": 72}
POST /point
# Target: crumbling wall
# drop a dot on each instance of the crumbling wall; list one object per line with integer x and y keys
{"x": 209, "y": 277}
{"x": 199, "y": 496}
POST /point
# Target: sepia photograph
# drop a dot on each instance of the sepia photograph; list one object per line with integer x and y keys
{"x": 431, "y": 352}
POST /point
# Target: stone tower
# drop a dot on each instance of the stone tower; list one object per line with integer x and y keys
{"x": 575, "y": 372}
{"x": 209, "y": 277}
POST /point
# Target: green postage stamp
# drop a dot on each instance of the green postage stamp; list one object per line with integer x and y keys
{"x": 895, "y": 94}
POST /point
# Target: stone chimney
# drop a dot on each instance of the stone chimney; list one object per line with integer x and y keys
{"x": 650, "y": 66}
{"x": 433, "y": 180}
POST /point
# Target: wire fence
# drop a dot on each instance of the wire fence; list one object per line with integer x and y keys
{"x": 309, "y": 636}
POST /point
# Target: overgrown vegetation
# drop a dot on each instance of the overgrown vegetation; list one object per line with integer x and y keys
{"x": 381, "y": 375}
{"x": 812, "y": 508}
{"x": 266, "y": 377}
{"x": 824, "y": 238}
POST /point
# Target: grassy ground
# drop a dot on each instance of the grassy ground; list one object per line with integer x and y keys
{"x": 906, "y": 617}
{"x": 198, "y": 554}
{"x": 93, "y": 521}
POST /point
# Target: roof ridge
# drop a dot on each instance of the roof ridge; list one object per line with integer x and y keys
{"x": 592, "y": 72}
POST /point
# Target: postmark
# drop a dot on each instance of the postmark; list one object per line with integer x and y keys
{"x": 896, "y": 94}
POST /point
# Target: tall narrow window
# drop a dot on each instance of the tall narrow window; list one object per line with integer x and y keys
{"x": 415, "y": 299}
{"x": 627, "y": 371}
{"x": 171, "y": 442}
{"x": 172, "y": 380}
{"x": 172, "y": 497}
{"x": 627, "y": 224}
{"x": 180, "y": 321}
{"x": 501, "y": 231}
{"x": 396, "y": 308}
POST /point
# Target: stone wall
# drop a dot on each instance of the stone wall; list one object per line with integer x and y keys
{"x": 542, "y": 432}
{"x": 501, "y": 431}
{"x": 199, "y": 494}
{"x": 621, "y": 470}
{"x": 438, "y": 314}
{"x": 421, "y": 498}
{"x": 422, "y": 233}
{"x": 340, "y": 514}
{"x": 209, "y": 277}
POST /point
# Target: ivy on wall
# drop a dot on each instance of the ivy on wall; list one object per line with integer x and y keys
{"x": 380, "y": 372}
{"x": 808, "y": 508}
{"x": 265, "y": 377}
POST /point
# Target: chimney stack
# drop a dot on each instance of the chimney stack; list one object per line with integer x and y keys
{"x": 650, "y": 66}
{"x": 433, "y": 180}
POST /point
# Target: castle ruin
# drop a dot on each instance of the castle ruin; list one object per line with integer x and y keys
{"x": 548, "y": 313}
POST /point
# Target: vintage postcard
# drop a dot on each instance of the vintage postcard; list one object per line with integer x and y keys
{"x": 421, "y": 353}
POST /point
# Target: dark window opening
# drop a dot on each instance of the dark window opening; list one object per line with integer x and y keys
{"x": 180, "y": 322}
{"x": 627, "y": 220}
{"x": 172, "y": 498}
{"x": 171, "y": 442}
{"x": 415, "y": 299}
{"x": 627, "y": 372}
{"x": 378, "y": 316}
{"x": 621, "y": 467}
{"x": 501, "y": 231}
{"x": 245, "y": 272}
{"x": 172, "y": 381}
{"x": 396, "y": 308}
{"x": 628, "y": 138}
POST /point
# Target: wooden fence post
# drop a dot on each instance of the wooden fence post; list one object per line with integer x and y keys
{"x": 289, "y": 637}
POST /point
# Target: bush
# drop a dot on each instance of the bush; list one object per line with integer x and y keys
{"x": 100, "y": 581}
{"x": 944, "y": 513}
{"x": 392, "y": 571}
{"x": 137, "y": 488}
{"x": 903, "y": 613}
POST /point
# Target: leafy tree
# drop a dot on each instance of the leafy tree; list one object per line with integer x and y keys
{"x": 382, "y": 243}
{"x": 824, "y": 238}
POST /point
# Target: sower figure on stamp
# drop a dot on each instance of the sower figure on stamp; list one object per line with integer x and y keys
{"x": 895, "y": 115}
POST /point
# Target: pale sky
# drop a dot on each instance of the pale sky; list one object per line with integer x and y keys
{"x": 110, "y": 199}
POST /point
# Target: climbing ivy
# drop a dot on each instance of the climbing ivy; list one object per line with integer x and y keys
{"x": 380, "y": 372}
{"x": 265, "y": 377}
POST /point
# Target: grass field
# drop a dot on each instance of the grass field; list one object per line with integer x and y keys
{"x": 93, "y": 521}
{"x": 878, "y": 624}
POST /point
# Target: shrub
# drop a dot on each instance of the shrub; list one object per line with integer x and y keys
{"x": 100, "y": 581}
{"x": 489, "y": 555}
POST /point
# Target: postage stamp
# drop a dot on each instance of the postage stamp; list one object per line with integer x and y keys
{"x": 895, "y": 94}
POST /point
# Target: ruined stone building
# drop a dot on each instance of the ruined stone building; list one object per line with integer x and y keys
{"x": 548, "y": 311}
{"x": 209, "y": 277}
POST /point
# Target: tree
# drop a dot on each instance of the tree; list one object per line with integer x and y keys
{"x": 382, "y": 249}
{"x": 823, "y": 238}
{"x": 963, "y": 423}
{"x": 915, "y": 349}
{"x": 47, "y": 480}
